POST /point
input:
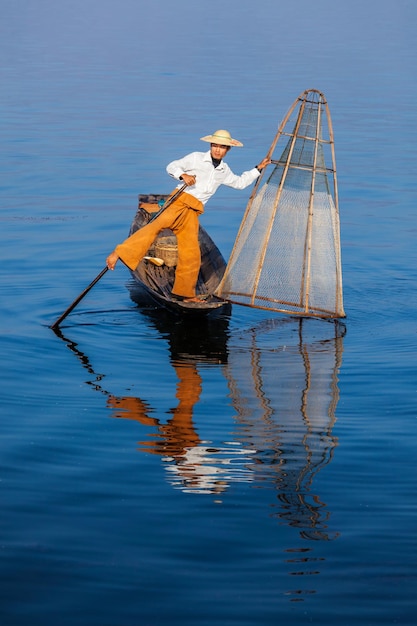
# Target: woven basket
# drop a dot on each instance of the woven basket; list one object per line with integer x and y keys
{"x": 166, "y": 248}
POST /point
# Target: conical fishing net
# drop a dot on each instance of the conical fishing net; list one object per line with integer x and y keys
{"x": 286, "y": 256}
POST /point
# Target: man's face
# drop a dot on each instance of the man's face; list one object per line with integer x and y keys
{"x": 218, "y": 151}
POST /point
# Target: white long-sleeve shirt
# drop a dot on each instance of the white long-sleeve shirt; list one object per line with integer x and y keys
{"x": 208, "y": 177}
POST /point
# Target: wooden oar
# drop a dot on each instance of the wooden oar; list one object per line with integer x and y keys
{"x": 72, "y": 306}
{"x": 169, "y": 201}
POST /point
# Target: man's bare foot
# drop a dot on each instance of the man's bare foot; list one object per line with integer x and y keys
{"x": 112, "y": 260}
{"x": 195, "y": 299}
{"x": 198, "y": 298}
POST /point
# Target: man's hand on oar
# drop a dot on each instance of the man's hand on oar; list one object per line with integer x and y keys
{"x": 114, "y": 257}
{"x": 112, "y": 260}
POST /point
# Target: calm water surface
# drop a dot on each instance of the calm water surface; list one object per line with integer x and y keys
{"x": 252, "y": 468}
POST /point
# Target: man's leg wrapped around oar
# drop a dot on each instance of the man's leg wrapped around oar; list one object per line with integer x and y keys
{"x": 182, "y": 218}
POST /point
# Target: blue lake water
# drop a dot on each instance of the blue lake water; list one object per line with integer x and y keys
{"x": 250, "y": 469}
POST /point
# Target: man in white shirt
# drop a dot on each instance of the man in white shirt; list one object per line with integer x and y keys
{"x": 203, "y": 173}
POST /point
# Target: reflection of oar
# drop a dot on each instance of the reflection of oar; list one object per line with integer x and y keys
{"x": 155, "y": 260}
{"x": 85, "y": 362}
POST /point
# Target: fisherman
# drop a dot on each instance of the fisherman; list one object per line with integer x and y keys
{"x": 203, "y": 173}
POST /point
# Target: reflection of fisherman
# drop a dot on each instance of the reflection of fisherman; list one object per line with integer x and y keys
{"x": 178, "y": 433}
{"x": 203, "y": 173}
{"x": 193, "y": 465}
{"x": 177, "y": 439}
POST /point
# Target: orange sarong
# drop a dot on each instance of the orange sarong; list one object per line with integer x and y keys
{"x": 182, "y": 218}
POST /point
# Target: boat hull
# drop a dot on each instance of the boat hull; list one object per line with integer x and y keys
{"x": 158, "y": 279}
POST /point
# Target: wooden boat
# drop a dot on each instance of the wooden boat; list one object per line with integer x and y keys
{"x": 286, "y": 256}
{"x": 156, "y": 272}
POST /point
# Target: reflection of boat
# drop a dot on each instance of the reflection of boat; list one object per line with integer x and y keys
{"x": 282, "y": 380}
{"x": 202, "y": 339}
{"x": 156, "y": 272}
{"x": 274, "y": 435}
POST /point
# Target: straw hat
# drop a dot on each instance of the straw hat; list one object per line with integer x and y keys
{"x": 223, "y": 138}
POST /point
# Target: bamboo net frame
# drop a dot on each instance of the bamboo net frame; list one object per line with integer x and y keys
{"x": 287, "y": 256}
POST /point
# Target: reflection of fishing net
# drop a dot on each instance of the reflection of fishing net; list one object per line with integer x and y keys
{"x": 287, "y": 253}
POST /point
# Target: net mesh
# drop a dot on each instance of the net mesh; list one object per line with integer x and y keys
{"x": 287, "y": 253}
